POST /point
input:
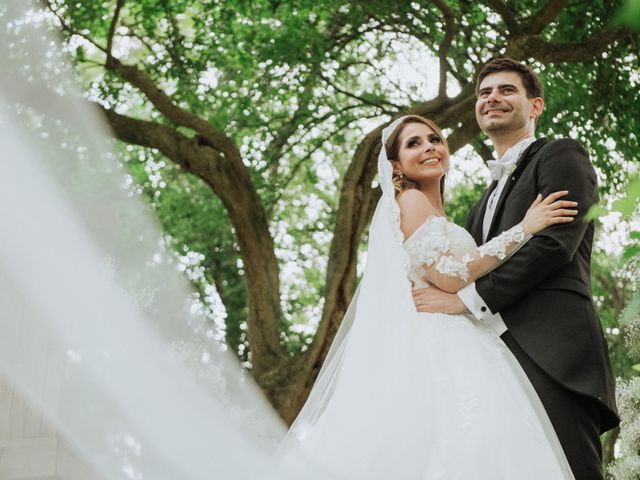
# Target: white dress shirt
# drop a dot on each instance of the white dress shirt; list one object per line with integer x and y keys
{"x": 469, "y": 295}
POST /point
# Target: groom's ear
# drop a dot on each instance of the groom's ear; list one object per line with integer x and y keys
{"x": 537, "y": 105}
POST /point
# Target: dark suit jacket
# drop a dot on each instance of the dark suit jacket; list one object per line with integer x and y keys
{"x": 544, "y": 291}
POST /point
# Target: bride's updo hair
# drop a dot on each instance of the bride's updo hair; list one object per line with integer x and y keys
{"x": 402, "y": 182}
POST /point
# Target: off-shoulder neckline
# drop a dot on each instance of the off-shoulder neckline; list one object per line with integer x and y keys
{"x": 433, "y": 216}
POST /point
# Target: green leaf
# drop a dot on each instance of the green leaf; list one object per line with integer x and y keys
{"x": 81, "y": 54}
{"x": 631, "y": 310}
{"x": 636, "y": 367}
{"x": 630, "y": 14}
{"x": 595, "y": 211}
{"x": 630, "y": 252}
{"x": 629, "y": 203}
{"x": 626, "y": 206}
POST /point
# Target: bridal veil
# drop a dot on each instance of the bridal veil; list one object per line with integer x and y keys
{"x": 107, "y": 370}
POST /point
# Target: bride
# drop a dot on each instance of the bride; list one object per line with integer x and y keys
{"x": 408, "y": 395}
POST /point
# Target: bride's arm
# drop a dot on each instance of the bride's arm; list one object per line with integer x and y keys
{"x": 451, "y": 273}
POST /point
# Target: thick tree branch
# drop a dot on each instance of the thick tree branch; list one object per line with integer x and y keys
{"x": 112, "y": 27}
{"x": 232, "y": 183}
{"x": 443, "y": 51}
{"x": 450, "y": 114}
{"x": 149, "y": 134}
{"x": 428, "y": 107}
{"x": 537, "y": 22}
{"x": 548, "y": 52}
{"x": 141, "y": 80}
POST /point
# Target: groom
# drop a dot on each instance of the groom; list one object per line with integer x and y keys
{"x": 539, "y": 301}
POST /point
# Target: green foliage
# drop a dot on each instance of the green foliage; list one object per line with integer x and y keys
{"x": 627, "y": 207}
{"x": 461, "y": 198}
{"x": 628, "y": 204}
{"x": 630, "y": 14}
{"x": 600, "y": 106}
{"x": 613, "y": 286}
{"x": 298, "y": 84}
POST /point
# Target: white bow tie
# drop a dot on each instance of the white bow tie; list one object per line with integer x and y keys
{"x": 500, "y": 168}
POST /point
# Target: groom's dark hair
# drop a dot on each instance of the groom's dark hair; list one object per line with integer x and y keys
{"x": 530, "y": 80}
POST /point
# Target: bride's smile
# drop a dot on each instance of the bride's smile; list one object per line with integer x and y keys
{"x": 430, "y": 161}
{"x": 423, "y": 155}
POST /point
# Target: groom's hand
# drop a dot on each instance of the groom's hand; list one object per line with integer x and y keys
{"x": 434, "y": 300}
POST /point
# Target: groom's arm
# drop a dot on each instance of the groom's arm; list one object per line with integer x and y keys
{"x": 471, "y": 217}
{"x": 566, "y": 166}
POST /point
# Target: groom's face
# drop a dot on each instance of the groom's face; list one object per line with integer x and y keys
{"x": 502, "y": 105}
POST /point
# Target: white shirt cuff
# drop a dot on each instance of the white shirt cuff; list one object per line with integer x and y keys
{"x": 480, "y": 310}
{"x": 474, "y": 302}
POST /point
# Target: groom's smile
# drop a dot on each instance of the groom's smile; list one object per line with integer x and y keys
{"x": 496, "y": 110}
{"x": 502, "y": 105}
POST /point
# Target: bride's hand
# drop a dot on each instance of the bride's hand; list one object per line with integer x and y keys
{"x": 548, "y": 211}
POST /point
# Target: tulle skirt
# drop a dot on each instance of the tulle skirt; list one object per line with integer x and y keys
{"x": 434, "y": 396}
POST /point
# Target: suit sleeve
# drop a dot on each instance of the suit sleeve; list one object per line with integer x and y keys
{"x": 471, "y": 217}
{"x": 565, "y": 165}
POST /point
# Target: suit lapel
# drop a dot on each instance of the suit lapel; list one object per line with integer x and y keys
{"x": 523, "y": 161}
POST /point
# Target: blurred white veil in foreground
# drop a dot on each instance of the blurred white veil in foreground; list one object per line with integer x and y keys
{"x": 105, "y": 371}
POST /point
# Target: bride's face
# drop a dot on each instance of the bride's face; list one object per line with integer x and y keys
{"x": 423, "y": 156}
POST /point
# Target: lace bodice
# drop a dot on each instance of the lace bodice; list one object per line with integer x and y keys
{"x": 453, "y": 255}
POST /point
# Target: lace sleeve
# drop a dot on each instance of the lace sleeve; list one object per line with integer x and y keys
{"x": 452, "y": 272}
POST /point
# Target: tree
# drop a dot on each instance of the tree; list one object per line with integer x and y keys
{"x": 247, "y": 106}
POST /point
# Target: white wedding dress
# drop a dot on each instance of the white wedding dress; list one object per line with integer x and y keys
{"x": 425, "y": 396}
